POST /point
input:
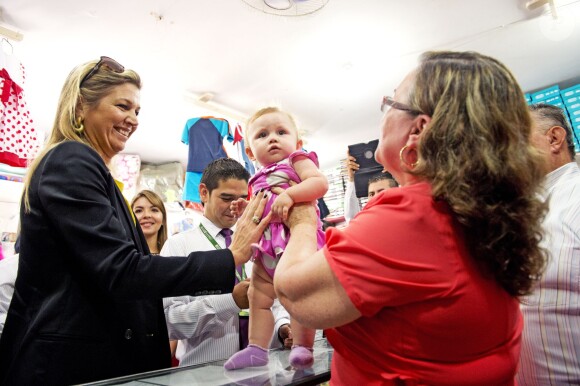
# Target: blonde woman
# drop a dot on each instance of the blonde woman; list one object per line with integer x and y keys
{"x": 87, "y": 300}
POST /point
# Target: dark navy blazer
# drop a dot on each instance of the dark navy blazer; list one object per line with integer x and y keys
{"x": 88, "y": 297}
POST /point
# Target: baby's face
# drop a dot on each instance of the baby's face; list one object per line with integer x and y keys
{"x": 272, "y": 138}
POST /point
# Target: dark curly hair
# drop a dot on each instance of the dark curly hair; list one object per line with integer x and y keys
{"x": 477, "y": 156}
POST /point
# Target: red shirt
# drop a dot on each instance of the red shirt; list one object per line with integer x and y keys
{"x": 429, "y": 314}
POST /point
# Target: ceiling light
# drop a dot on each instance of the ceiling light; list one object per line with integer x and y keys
{"x": 557, "y": 28}
{"x": 278, "y": 4}
{"x": 554, "y": 26}
{"x": 533, "y": 4}
{"x": 210, "y": 107}
{"x": 10, "y": 33}
{"x": 287, "y": 7}
{"x": 206, "y": 97}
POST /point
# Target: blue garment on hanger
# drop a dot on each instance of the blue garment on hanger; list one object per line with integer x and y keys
{"x": 205, "y": 135}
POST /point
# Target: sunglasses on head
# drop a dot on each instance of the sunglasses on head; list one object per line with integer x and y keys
{"x": 107, "y": 62}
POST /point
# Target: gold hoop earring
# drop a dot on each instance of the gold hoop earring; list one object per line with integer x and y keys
{"x": 402, "y": 157}
{"x": 79, "y": 127}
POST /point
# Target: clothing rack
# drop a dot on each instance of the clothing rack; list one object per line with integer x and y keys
{"x": 10, "y": 33}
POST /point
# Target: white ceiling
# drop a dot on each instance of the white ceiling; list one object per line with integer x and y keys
{"x": 330, "y": 69}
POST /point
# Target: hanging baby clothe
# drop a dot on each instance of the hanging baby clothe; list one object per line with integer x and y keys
{"x": 204, "y": 135}
{"x": 19, "y": 139}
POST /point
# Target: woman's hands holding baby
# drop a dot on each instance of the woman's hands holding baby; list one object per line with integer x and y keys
{"x": 280, "y": 207}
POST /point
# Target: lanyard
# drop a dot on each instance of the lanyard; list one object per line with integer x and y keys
{"x": 217, "y": 246}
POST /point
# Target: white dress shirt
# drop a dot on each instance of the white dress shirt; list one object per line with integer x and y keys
{"x": 207, "y": 326}
{"x": 551, "y": 338}
{"x": 8, "y": 271}
{"x": 351, "y": 202}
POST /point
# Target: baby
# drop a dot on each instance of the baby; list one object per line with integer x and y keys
{"x": 272, "y": 140}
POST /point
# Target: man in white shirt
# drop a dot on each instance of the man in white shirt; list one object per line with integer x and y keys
{"x": 376, "y": 185}
{"x": 551, "y": 339}
{"x": 208, "y": 326}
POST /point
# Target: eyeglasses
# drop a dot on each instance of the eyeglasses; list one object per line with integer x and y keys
{"x": 110, "y": 63}
{"x": 389, "y": 102}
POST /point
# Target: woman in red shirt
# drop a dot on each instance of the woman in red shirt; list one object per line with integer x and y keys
{"x": 422, "y": 287}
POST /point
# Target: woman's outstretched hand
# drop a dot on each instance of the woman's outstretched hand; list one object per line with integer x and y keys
{"x": 249, "y": 228}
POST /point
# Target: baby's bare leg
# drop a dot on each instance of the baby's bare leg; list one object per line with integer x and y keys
{"x": 262, "y": 295}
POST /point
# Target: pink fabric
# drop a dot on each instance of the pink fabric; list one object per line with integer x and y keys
{"x": 127, "y": 167}
{"x": 276, "y": 236}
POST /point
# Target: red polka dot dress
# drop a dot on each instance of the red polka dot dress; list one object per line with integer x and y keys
{"x": 19, "y": 139}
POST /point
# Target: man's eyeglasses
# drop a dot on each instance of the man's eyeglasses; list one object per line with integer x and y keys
{"x": 389, "y": 102}
{"x": 110, "y": 63}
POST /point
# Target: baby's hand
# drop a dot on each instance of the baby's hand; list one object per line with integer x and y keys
{"x": 237, "y": 206}
{"x": 282, "y": 205}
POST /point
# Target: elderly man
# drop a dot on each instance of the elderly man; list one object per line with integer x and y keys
{"x": 551, "y": 339}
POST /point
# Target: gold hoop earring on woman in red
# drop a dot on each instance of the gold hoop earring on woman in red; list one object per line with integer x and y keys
{"x": 404, "y": 154}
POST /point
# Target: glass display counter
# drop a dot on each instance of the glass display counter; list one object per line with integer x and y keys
{"x": 278, "y": 372}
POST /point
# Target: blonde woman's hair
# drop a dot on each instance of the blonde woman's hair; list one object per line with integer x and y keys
{"x": 72, "y": 99}
{"x": 157, "y": 202}
{"x": 264, "y": 111}
{"x": 477, "y": 156}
